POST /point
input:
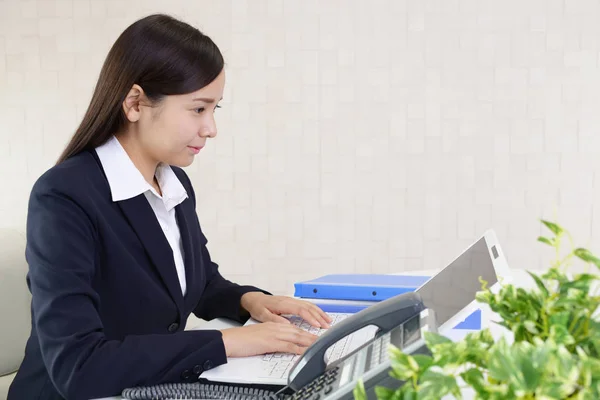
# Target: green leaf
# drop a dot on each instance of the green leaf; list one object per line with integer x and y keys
{"x": 433, "y": 339}
{"x": 586, "y": 393}
{"x": 561, "y": 335}
{"x": 593, "y": 343}
{"x": 520, "y": 332}
{"x": 555, "y": 228}
{"x": 546, "y": 240}
{"x": 407, "y": 392}
{"x": 539, "y": 283}
{"x": 435, "y": 384}
{"x": 444, "y": 350}
{"x": 359, "y": 391}
{"x": 564, "y": 368}
{"x": 581, "y": 282}
{"x": 590, "y": 370}
{"x": 587, "y": 256}
{"x": 514, "y": 366}
{"x": 531, "y": 327}
{"x": 528, "y": 364}
{"x": 552, "y": 391}
{"x": 413, "y": 364}
{"x": 556, "y": 275}
{"x": 560, "y": 318}
{"x": 446, "y": 354}
{"x": 501, "y": 364}
{"x": 502, "y": 395}
{"x": 484, "y": 335}
{"x": 402, "y": 364}
{"x": 477, "y": 345}
{"x": 484, "y": 297}
{"x": 384, "y": 393}
{"x": 474, "y": 378}
{"x": 423, "y": 361}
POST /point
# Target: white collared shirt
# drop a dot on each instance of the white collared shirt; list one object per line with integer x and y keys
{"x": 126, "y": 181}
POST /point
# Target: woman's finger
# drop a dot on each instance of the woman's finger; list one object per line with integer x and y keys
{"x": 317, "y": 317}
{"x": 268, "y": 316}
{"x": 320, "y": 318}
{"x": 321, "y": 313}
{"x": 317, "y": 312}
{"x": 297, "y": 336}
{"x": 288, "y": 347}
{"x": 309, "y": 317}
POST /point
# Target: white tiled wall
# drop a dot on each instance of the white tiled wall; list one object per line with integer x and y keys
{"x": 377, "y": 135}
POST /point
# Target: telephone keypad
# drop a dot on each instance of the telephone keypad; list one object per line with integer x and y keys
{"x": 318, "y": 387}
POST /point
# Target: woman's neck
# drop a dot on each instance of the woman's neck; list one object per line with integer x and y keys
{"x": 142, "y": 161}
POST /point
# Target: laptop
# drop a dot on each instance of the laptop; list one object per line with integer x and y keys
{"x": 450, "y": 293}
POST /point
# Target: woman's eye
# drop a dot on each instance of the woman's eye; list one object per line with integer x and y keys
{"x": 201, "y": 109}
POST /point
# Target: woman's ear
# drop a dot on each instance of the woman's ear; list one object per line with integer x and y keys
{"x": 131, "y": 104}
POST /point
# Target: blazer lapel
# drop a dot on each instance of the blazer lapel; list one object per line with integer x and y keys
{"x": 182, "y": 212}
{"x": 141, "y": 217}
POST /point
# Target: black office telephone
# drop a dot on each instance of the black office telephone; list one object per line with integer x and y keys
{"x": 401, "y": 321}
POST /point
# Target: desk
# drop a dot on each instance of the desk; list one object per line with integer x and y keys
{"x": 519, "y": 277}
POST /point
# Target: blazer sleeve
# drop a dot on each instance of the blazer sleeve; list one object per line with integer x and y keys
{"x": 221, "y": 298}
{"x": 82, "y": 363}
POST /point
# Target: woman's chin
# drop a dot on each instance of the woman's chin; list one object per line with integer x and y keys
{"x": 182, "y": 162}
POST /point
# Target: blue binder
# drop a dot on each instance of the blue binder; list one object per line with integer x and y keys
{"x": 370, "y": 287}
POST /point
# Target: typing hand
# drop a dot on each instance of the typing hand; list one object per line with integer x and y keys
{"x": 268, "y": 337}
{"x": 266, "y": 308}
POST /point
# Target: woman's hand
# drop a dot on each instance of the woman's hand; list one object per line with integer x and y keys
{"x": 267, "y": 337}
{"x": 266, "y": 308}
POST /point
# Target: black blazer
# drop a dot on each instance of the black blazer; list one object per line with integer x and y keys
{"x": 107, "y": 309}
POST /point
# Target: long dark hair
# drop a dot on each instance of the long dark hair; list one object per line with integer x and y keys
{"x": 161, "y": 54}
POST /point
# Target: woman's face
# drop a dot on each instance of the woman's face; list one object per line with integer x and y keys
{"x": 175, "y": 130}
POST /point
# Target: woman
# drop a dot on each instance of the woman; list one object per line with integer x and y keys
{"x": 117, "y": 258}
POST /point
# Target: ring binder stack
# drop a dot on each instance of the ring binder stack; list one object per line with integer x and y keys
{"x": 359, "y": 287}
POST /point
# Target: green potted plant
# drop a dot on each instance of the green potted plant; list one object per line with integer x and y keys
{"x": 555, "y": 353}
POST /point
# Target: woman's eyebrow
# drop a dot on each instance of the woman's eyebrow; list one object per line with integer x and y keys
{"x": 206, "y": 99}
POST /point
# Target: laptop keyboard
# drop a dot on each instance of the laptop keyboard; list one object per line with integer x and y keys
{"x": 278, "y": 365}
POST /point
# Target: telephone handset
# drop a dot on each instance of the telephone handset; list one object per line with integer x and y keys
{"x": 385, "y": 315}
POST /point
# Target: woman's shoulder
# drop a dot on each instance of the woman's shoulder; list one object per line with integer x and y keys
{"x": 78, "y": 174}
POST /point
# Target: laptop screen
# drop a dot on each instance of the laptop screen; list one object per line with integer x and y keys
{"x": 453, "y": 288}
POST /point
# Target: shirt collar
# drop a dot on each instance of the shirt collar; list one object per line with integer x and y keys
{"x": 126, "y": 181}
